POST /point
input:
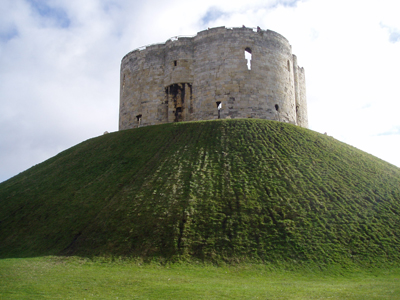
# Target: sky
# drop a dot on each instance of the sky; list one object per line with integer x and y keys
{"x": 60, "y": 63}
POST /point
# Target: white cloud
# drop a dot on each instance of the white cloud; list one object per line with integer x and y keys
{"x": 59, "y": 65}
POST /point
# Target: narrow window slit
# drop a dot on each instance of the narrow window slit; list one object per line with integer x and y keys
{"x": 248, "y": 57}
{"x": 219, "y": 106}
{"x": 139, "y": 119}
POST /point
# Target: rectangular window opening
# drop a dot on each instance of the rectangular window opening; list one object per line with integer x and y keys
{"x": 219, "y": 106}
{"x": 139, "y": 119}
{"x": 248, "y": 57}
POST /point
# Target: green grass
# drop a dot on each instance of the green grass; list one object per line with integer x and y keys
{"x": 77, "y": 278}
{"x": 218, "y": 191}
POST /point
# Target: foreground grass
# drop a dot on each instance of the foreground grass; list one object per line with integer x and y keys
{"x": 77, "y": 278}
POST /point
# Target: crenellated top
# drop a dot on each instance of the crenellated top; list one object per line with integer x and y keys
{"x": 177, "y": 41}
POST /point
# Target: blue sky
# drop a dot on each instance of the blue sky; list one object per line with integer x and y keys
{"x": 50, "y": 13}
{"x": 60, "y": 60}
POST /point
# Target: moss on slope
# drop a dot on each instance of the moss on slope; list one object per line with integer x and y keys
{"x": 227, "y": 189}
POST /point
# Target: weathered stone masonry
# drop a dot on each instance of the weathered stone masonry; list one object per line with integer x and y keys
{"x": 208, "y": 77}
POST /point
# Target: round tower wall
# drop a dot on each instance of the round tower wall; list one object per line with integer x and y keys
{"x": 142, "y": 89}
{"x": 207, "y": 77}
{"x": 178, "y": 61}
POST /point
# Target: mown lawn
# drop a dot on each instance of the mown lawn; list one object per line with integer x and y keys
{"x": 77, "y": 278}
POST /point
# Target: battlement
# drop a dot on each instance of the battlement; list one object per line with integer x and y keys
{"x": 215, "y": 30}
{"x": 219, "y": 73}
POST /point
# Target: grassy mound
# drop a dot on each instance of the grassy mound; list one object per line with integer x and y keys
{"x": 215, "y": 190}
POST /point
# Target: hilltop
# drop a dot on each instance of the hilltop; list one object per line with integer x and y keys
{"x": 226, "y": 190}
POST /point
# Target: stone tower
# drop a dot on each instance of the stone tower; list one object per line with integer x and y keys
{"x": 219, "y": 73}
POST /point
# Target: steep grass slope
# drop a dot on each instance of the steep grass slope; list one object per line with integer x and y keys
{"x": 215, "y": 190}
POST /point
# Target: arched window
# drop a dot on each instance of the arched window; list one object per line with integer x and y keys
{"x": 248, "y": 56}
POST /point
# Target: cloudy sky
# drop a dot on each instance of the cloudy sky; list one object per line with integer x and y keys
{"x": 60, "y": 60}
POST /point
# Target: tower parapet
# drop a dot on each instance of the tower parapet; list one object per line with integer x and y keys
{"x": 219, "y": 73}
